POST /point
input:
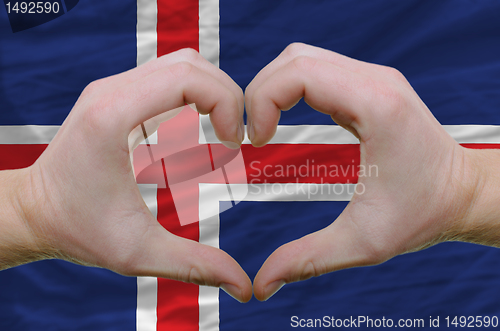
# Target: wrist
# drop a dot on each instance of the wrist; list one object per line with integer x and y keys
{"x": 480, "y": 223}
{"x": 19, "y": 244}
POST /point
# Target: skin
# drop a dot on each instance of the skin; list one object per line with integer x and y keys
{"x": 79, "y": 201}
{"x": 428, "y": 190}
{"x": 71, "y": 205}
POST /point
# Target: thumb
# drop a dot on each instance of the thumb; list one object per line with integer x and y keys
{"x": 168, "y": 256}
{"x": 332, "y": 248}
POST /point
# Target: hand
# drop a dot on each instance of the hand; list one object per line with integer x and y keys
{"x": 426, "y": 181}
{"x": 80, "y": 201}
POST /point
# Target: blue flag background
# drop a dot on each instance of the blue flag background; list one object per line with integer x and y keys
{"x": 448, "y": 50}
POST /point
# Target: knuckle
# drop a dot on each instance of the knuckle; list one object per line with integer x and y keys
{"x": 181, "y": 69}
{"x": 194, "y": 276}
{"x": 96, "y": 103}
{"x": 393, "y": 74}
{"x": 99, "y": 111}
{"x": 312, "y": 269}
{"x": 93, "y": 88}
{"x": 295, "y": 49}
{"x": 390, "y": 100}
{"x": 304, "y": 63}
{"x": 189, "y": 54}
{"x": 390, "y": 96}
{"x": 191, "y": 274}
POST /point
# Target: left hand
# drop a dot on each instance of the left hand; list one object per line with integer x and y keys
{"x": 80, "y": 201}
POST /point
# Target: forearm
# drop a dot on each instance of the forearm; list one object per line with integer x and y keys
{"x": 481, "y": 225}
{"x": 17, "y": 241}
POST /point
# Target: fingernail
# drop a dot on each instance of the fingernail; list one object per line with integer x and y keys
{"x": 232, "y": 290}
{"x": 274, "y": 287}
{"x": 241, "y": 131}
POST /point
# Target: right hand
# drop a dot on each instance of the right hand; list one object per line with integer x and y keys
{"x": 426, "y": 184}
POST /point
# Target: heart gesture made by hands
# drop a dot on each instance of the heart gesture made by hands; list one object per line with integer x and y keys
{"x": 80, "y": 201}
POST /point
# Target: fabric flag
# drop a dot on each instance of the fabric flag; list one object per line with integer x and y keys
{"x": 449, "y": 52}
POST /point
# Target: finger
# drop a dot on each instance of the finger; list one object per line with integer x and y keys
{"x": 333, "y": 248}
{"x": 184, "y": 55}
{"x": 168, "y": 256}
{"x": 295, "y": 50}
{"x": 173, "y": 87}
{"x": 330, "y": 89}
